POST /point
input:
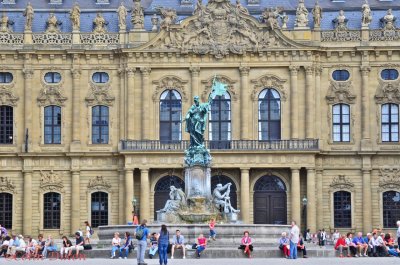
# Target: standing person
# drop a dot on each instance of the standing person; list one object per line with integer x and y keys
{"x": 201, "y": 245}
{"x": 126, "y": 247}
{"x": 284, "y": 245}
{"x": 163, "y": 242}
{"x": 246, "y": 244}
{"x": 66, "y": 244}
{"x": 398, "y": 232}
{"x": 294, "y": 240}
{"x": 141, "y": 234}
{"x": 89, "y": 232}
{"x": 178, "y": 241}
{"x": 116, "y": 244}
{"x": 307, "y": 236}
{"x": 213, "y": 234}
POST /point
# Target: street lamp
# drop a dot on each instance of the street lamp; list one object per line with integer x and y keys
{"x": 305, "y": 201}
{"x": 134, "y": 204}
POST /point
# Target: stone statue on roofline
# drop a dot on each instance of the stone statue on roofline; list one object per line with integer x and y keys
{"x": 75, "y": 16}
{"x": 241, "y": 9}
{"x": 270, "y": 17}
{"x": 52, "y": 24}
{"x": 301, "y": 15}
{"x": 28, "y": 13}
{"x": 99, "y": 24}
{"x": 340, "y": 21}
{"x": 285, "y": 19}
{"x": 317, "y": 15}
{"x": 169, "y": 17}
{"x": 5, "y": 23}
{"x": 137, "y": 15}
{"x": 366, "y": 14}
{"x": 122, "y": 13}
{"x": 388, "y": 21}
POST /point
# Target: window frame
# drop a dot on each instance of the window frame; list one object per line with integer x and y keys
{"x": 101, "y": 76}
{"x": 103, "y": 215}
{"x": 390, "y": 72}
{"x": 52, "y": 125}
{"x": 99, "y": 125}
{"x": 268, "y": 121}
{"x": 6, "y": 128}
{"x": 50, "y": 215}
{"x": 389, "y": 123}
{"x": 6, "y": 209}
{"x": 52, "y": 77}
{"x": 219, "y": 121}
{"x": 341, "y": 124}
{"x": 341, "y": 215}
{"x": 171, "y": 121}
{"x": 389, "y": 210}
{"x": 341, "y": 71}
{"x": 3, "y": 77}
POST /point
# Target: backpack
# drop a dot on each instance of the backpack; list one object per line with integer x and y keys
{"x": 139, "y": 233}
{"x": 91, "y": 231}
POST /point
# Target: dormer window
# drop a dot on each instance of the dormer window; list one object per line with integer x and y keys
{"x": 102, "y": 2}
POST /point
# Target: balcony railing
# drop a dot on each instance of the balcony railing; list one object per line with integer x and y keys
{"x": 239, "y": 145}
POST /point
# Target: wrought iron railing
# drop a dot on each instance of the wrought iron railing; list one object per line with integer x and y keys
{"x": 239, "y": 145}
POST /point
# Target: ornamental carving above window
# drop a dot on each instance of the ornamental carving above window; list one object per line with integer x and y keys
{"x": 50, "y": 181}
{"x": 389, "y": 178}
{"x": 340, "y": 92}
{"x": 388, "y": 92}
{"x": 6, "y": 185}
{"x": 341, "y": 182}
{"x": 99, "y": 183}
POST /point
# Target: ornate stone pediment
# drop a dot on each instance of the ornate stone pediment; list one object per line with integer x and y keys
{"x": 6, "y": 185}
{"x": 99, "y": 95}
{"x": 388, "y": 92}
{"x": 340, "y": 92}
{"x": 218, "y": 29}
{"x": 341, "y": 182}
{"x": 51, "y": 95}
{"x": 51, "y": 181}
{"x": 224, "y": 79}
{"x": 389, "y": 178}
{"x": 99, "y": 183}
{"x": 170, "y": 82}
{"x": 268, "y": 81}
{"x": 7, "y": 96}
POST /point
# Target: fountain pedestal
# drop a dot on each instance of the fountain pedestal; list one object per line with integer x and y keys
{"x": 198, "y": 182}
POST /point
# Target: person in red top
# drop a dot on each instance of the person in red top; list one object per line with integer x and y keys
{"x": 389, "y": 241}
{"x": 246, "y": 245}
{"x": 201, "y": 245}
{"x": 341, "y": 245}
{"x": 212, "y": 229}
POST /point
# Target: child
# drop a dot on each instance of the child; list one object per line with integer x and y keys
{"x": 212, "y": 229}
{"x": 153, "y": 245}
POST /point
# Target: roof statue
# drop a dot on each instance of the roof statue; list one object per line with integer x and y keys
{"x": 366, "y": 14}
{"x": 285, "y": 19}
{"x": 317, "y": 14}
{"x": 301, "y": 15}
{"x": 52, "y": 24}
{"x": 340, "y": 21}
{"x": 388, "y": 21}
{"x": 5, "y": 23}
{"x": 28, "y": 13}
{"x": 99, "y": 24}
{"x": 270, "y": 17}
{"x": 122, "y": 13}
{"x": 169, "y": 17}
{"x": 241, "y": 8}
{"x": 75, "y": 16}
{"x": 137, "y": 15}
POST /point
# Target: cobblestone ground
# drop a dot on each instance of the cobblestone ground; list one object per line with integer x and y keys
{"x": 310, "y": 261}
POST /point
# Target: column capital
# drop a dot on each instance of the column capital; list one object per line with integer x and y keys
{"x": 295, "y": 169}
{"x": 309, "y": 69}
{"x": 194, "y": 70}
{"x": 244, "y": 169}
{"x": 294, "y": 69}
{"x": 76, "y": 73}
{"x": 311, "y": 170}
{"x": 365, "y": 70}
{"x": 128, "y": 170}
{"x": 28, "y": 73}
{"x": 318, "y": 70}
{"x": 144, "y": 170}
{"x": 145, "y": 71}
{"x": 244, "y": 70}
{"x": 130, "y": 71}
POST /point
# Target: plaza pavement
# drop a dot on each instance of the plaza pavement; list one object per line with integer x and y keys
{"x": 310, "y": 261}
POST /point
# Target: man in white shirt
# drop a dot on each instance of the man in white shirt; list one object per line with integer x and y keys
{"x": 294, "y": 240}
{"x": 377, "y": 245}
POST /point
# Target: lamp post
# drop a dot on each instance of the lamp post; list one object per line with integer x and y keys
{"x": 305, "y": 201}
{"x": 134, "y": 213}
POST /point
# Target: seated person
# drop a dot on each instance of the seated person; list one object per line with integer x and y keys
{"x": 302, "y": 247}
{"x": 246, "y": 244}
{"x": 389, "y": 241}
{"x": 351, "y": 245}
{"x": 284, "y": 245}
{"x": 201, "y": 245}
{"x": 342, "y": 246}
{"x": 66, "y": 244}
{"x": 116, "y": 244}
{"x": 360, "y": 245}
{"x": 178, "y": 242}
{"x": 14, "y": 243}
{"x": 367, "y": 240}
{"x": 32, "y": 243}
{"x": 22, "y": 245}
{"x": 3, "y": 232}
{"x": 40, "y": 246}
{"x": 78, "y": 245}
{"x": 377, "y": 245}
{"x": 4, "y": 246}
{"x": 394, "y": 252}
{"x": 124, "y": 249}
{"x": 153, "y": 245}
{"x": 49, "y": 246}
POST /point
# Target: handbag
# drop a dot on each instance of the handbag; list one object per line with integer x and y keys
{"x": 87, "y": 247}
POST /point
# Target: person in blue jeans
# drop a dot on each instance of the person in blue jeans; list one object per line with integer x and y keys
{"x": 124, "y": 250}
{"x": 163, "y": 241}
{"x": 294, "y": 240}
{"x": 141, "y": 234}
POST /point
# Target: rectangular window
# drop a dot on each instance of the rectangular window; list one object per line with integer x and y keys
{"x": 52, "y": 125}
{"x": 100, "y": 129}
{"x": 51, "y": 210}
{"x": 6, "y": 125}
{"x": 341, "y": 123}
{"x": 390, "y": 123}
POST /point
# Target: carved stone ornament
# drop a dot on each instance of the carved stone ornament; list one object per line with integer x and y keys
{"x": 341, "y": 182}
{"x": 7, "y": 96}
{"x": 223, "y": 79}
{"x": 388, "y": 92}
{"x": 340, "y": 92}
{"x": 170, "y": 82}
{"x": 99, "y": 183}
{"x": 389, "y": 178}
{"x": 6, "y": 185}
{"x": 217, "y": 29}
{"x": 51, "y": 94}
{"x": 50, "y": 181}
{"x": 99, "y": 95}
{"x": 268, "y": 81}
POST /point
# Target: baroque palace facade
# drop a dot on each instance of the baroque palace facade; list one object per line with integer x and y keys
{"x": 93, "y": 99}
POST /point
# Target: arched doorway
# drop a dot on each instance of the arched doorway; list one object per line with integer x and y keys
{"x": 270, "y": 205}
{"x": 224, "y": 180}
{"x": 162, "y": 188}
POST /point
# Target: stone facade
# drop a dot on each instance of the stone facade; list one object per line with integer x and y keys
{"x": 142, "y": 64}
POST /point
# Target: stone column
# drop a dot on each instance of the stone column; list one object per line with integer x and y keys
{"x": 121, "y": 104}
{"x": 144, "y": 194}
{"x": 129, "y": 103}
{"x": 294, "y": 103}
{"x": 76, "y": 111}
{"x": 128, "y": 194}
{"x": 365, "y": 108}
{"x": 295, "y": 187}
{"x": 195, "y": 73}
{"x": 245, "y": 127}
{"x": 75, "y": 202}
{"x": 28, "y": 74}
{"x": 121, "y": 197}
{"x": 145, "y": 103}
{"x": 366, "y": 201}
{"x": 311, "y": 196}
{"x": 27, "y": 207}
{"x": 310, "y": 102}
{"x": 245, "y": 195}
{"x": 138, "y": 106}
{"x": 319, "y": 201}
{"x": 317, "y": 114}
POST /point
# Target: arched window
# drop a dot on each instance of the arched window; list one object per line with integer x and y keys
{"x": 269, "y": 115}
{"x": 52, "y": 125}
{"x": 52, "y": 210}
{"x": 390, "y": 123}
{"x": 100, "y": 77}
{"x": 342, "y": 209}
{"x": 220, "y": 121}
{"x": 99, "y": 209}
{"x": 389, "y": 74}
{"x": 340, "y": 75}
{"x": 100, "y": 131}
{"x": 341, "y": 123}
{"x": 170, "y": 116}
{"x": 6, "y": 125}
{"x": 6, "y": 203}
{"x": 221, "y": 179}
{"x": 6, "y": 77}
{"x": 162, "y": 189}
{"x": 52, "y": 77}
{"x": 391, "y": 208}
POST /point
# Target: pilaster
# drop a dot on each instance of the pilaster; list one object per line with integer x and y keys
{"x": 294, "y": 103}
{"x": 27, "y": 207}
{"x": 311, "y": 196}
{"x": 75, "y": 202}
{"x": 146, "y": 128}
{"x": 129, "y": 193}
{"x": 295, "y": 188}
{"x": 28, "y": 75}
{"x": 76, "y": 111}
{"x": 245, "y": 126}
{"x": 144, "y": 194}
{"x": 310, "y": 103}
{"x": 130, "y": 91}
{"x": 365, "y": 110}
{"x": 245, "y": 194}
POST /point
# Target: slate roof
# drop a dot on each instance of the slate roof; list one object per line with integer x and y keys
{"x": 89, "y": 9}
